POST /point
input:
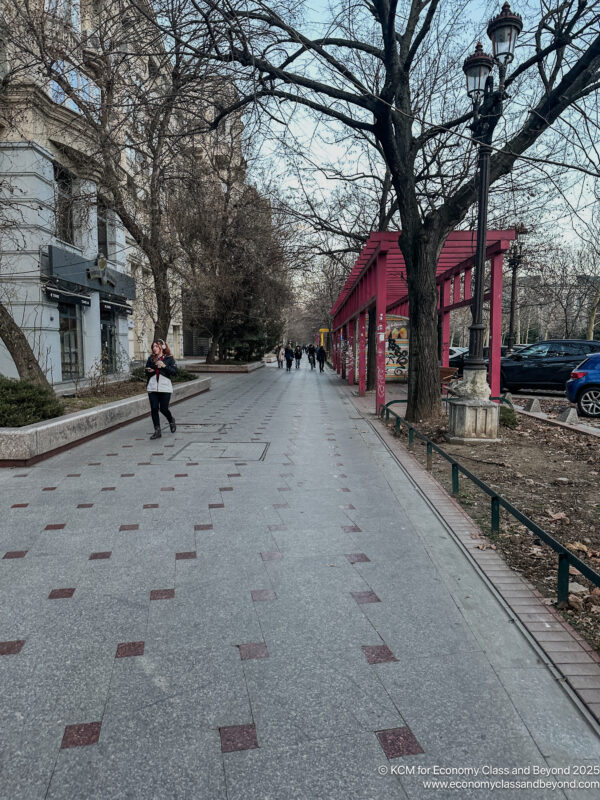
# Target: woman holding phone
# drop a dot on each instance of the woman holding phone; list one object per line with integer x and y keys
{"x": 160, "y": 368}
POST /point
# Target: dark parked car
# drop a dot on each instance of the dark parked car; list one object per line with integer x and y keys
{"x": 459, "y": 359}
{"x": 583, "y": 387}
{"x": 544, "y": 365}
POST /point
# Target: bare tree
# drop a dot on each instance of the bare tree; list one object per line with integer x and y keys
{"x": 392, "y": 71}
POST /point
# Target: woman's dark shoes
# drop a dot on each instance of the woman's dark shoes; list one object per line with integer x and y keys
{"x": 173, "y": 426}
{"x": 157, "y": 433}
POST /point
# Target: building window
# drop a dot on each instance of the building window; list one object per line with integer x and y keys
{"x": 70, "y": 341}
{"x": 102, "y": 217}
{"x": 64, "y": 204}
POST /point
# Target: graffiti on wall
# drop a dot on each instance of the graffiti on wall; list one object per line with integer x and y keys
{"x": 396, "y": 348}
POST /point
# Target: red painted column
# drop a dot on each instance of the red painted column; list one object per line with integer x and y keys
{"x": 445, "y": 302}
{"x": 362, "y": 353}
{"x": 338, "y": 351}
{"x": 495, "y": 325}
{"x": 344, "y": 349}
{"x": 351, "y": 348}
{"x": 381, "y": 302}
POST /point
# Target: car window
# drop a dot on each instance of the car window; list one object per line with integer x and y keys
{"x": 540, "y": 349}
{"x": 566, "y": 349}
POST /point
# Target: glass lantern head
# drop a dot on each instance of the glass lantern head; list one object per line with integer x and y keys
{"x": 503, "y": 31}
{"x": 477, "y": 69}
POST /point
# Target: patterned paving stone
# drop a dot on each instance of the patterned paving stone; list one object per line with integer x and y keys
{"x": 397, "y": 742}
{"x": 81, "y": 735}
{"x": 238, "y": 737}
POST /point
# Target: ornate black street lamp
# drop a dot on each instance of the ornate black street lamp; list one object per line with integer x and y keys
{"x": 487, "y": 110}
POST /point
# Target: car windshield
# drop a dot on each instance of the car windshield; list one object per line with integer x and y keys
{"x": 540, "y": 349}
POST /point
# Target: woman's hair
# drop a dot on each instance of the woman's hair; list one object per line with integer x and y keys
{"x": 163, "y": 345}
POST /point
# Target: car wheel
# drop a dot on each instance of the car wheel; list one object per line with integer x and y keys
{"x": 588, "y": 402}
{"x": 504, "y": 386}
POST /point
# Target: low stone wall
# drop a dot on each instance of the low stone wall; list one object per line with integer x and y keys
{"x": 31, "y": 443}
{"x": 226, "y": 367}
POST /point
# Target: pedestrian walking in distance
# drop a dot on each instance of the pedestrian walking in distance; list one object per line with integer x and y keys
{"x": 289, "y": 357}
{"x": 160, "y": 368}
{"x": 311, "y": 351}
{"x": 280, "y": 356}
{"x": 298, "y": 355}
{"x": 321, "y": 356}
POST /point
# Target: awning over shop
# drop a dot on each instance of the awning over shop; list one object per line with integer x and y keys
{"x": 63, "y": 296}
{"x": 118, "y": 308}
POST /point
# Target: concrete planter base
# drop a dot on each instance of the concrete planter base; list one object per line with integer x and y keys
{"x": 472, "y": 420}
{"x": 226, "y": 367}
{"x": 20, "y": 447}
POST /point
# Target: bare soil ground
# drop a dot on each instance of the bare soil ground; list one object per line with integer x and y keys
{"x": 94, "y": 396}
{"x": 551, "y": 475}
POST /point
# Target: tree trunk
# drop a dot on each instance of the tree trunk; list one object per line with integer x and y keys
{"x": 20, "y": 350}
{"x": 591, "y": 323}
{"x": 163, "y": 301}
{"x": 211, "y": 356}
{"x": 420, "y": 256}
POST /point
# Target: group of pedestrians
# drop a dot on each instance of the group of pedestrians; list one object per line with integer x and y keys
{"x": 289, "y": 355}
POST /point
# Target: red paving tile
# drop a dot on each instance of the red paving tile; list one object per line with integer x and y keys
{"x": 281, "y": 505}
{"x": 20, "y": 505}
{"x": 85, "y": 505}
{"x": 128, "y": 649}
{"x": 274, "y": 555}
{"x": 108, "y": 489}
{"x": 150, "y": 505}
{"x": 397, "y": 742}
{"x": 348, "y": 507}
{"x": 128, "y": 474}
{"x": 167, "y": 488}
{"x": 263, "y": 594}
{"x": 234, "y": 474}
{"x": 11, "y": 648}
{"x": 48, "y": 488}
{"x": 357, "y": 558}
{"x": 378, "y": 654}
{"x": 351, "y": 529}
{"x": 238, "y": 737}
{"x": 101, "y": 555}
{"x": 61, "y": 594}
{"x": 185, "y": 556}
{"x": 132, "y": 527}
{"x": 206, "y": 527}
{"x": 226, "y": 489}
{"x": 81, "y": 735}
{"x": 181, "y": 475}
{"x": 253, "y": 650}
{"x": 365, "y": 597}
{"x": 216, "y": 505}
{"x": 162, "y": 594}
{"x": 276, "y": 527}
{"x": 55, "y": 526}
{"x": 15, "y": 554}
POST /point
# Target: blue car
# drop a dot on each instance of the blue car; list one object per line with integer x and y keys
{"x": 583, "y": 387}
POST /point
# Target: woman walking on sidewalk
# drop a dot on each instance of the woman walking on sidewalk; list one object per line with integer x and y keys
{"x": 280, "y": 356}
{"x": 160, "y": 368}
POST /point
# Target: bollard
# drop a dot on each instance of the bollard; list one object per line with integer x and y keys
{"x": 562, "y": 594}
{"x": 454, "y": 478}
{"x": 495, "y": 515}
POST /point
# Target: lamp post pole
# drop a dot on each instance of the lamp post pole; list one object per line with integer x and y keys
{"x": 515, "y": 262}
{"x": 474, "y": 417}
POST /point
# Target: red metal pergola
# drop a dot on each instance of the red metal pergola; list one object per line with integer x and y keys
{"x": 378, "y": 281}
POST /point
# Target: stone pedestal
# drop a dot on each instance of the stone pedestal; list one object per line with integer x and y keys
{"x": 471, "y": 420}
{"x": 472, "y": 416}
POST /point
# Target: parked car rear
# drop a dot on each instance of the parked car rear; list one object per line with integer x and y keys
{"x": 545, "y": 365}
{"x": 583, "y": 387}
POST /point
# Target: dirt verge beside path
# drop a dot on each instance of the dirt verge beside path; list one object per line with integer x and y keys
{"x": 551, "y": 475}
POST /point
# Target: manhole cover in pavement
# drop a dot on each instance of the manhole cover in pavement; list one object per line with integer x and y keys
{"x": 203, "y": 427}
{"x": 207, "y": 451}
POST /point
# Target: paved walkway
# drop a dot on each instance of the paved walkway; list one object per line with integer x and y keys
{"x": 261, "y": 606}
